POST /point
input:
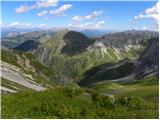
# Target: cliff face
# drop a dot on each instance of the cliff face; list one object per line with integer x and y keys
{"x": 148, "y": 63}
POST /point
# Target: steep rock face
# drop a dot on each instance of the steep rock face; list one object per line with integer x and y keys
{"x": 148, "y": 63}
{"x": 75, "y": 42}
{"x": 44, "y": 55}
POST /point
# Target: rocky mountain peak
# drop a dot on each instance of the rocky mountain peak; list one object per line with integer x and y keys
{"x": 75, "y": 42}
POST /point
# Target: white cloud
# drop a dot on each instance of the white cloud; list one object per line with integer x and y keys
{"x": 147, "y": 27}
{"x": 41, "y": 25}
{"x": 61, "y": 9}
{"x": 97, "y": 25}
{"x": 42, "y": 13}
{"x": 93, "y": 15}
{"x": 77, "y": 18}
{"x": 26, "y": 25}
{"x": 151, "y": 13}
{"x": 85, "y": 25}
{"x": 42, "y": 4}
{"x": 22, "y": 8}
{"x": 37, "y": 5}
{"x": 144, "y": 28}
{"x": 14, "y": 24}
{"x": 17, "y": 24}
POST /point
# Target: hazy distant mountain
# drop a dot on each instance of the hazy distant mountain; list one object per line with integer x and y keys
{"x": 11, "y": 32}
{"x": 94, "y": 33}
{"x": 14, "y": 41}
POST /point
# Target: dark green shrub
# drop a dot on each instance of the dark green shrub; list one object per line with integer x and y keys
{"x": 71, "y": 92}
{"x": 132, "y": 102}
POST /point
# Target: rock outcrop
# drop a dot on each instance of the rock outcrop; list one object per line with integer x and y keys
{"x": 15, "y": 74}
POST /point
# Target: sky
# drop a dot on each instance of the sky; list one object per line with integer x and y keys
{"x": 99, "y": 15}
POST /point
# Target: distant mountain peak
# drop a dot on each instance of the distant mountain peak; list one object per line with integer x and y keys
{"x": 27, "y": 45}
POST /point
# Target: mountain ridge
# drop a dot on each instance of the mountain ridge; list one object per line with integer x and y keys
{"x": 127, "y": 70}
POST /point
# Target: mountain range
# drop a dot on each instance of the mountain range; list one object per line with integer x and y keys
{"x": 120, "y": 64}
{"x": 66, "y": 46}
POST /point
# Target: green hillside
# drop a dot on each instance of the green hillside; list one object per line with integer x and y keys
{"x": 72, "y": 102}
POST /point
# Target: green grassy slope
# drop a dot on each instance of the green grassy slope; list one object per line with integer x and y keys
{"x": 70, "y": 102}
{"x": 147, "y": 87}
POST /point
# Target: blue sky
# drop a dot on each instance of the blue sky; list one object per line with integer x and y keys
{"x": 108, "y": 15}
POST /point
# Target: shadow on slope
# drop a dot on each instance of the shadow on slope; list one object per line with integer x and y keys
{"x": 75, "y": 42}
{"x": 27, "y": 45}
{"x": 127, "y": 70}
